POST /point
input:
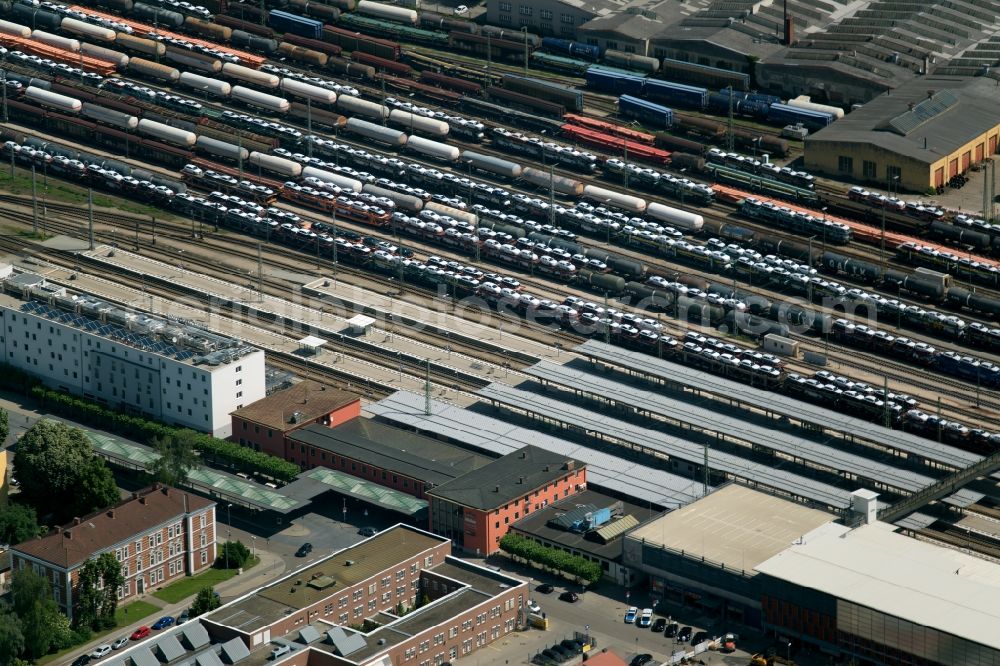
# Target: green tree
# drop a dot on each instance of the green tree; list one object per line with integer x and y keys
{"x": 4, "y": 426}
{"x": 205, "y": 602}
{"x": 59, "y": 473}
{"x": 18, "y": 523}
{"x": 177, "y": 457}
{"x": 233, "y": 555}
{"x": 11, "y": 636}
{"x": 96, "y": 598}
{"x": 31, "y": 599}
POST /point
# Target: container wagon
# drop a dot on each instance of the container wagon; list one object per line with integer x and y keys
{"x": 571, "y": 99}
{"x": 614, "y": 83}
{"x": 297, "y": 25}
{"x": 783, "y": 114}
{"x": 653, "y": 115}
{"x": 678, "y": 94}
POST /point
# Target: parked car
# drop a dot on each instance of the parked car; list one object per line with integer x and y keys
{"x": 630, "y": 615}
{"x": 553, "y": 656}
{"x": 82, "y": 660}
{"x": 140, "y": 633}
{"x": 163, "y": 622}
{"x": 571, "y": 597}
{"x": 545, "y": 588}
{"x": 671, "y": 630}
{"x": 368, "y": 531}
{"x": 120, "y": 643}
{"x": 574, "y": 646}
{"x": 304, "y": 549}
{"x": 660, "y": 625}
{"x": 646, "y": 618}
{"x": 684, "y": 635}
{"x": 100, "y": 651}
{"x": 640, "y": 659}
{"x": 700, "y": 637}
{"x": 533, "y": 606}
{"x": 184, "y": 616}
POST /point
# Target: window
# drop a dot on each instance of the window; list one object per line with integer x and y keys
{"x": 525, "y": 10}
{"x": 566, "y": 18}
{"x": 545, "y": 14}
{"x": 505, "y": 19}
{"x": 893, "y": 173}
{"x": 868, "y": 169}
{"x": 505, "y": 6}
{"x": 204, "y": 557}
{"x": 845, "y": 164}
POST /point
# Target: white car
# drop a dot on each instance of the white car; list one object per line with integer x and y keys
{"x": 461, "y": 10}
{"x": 533, "y": 606}
{"x": 100, "y": 651}
{"x": 646, "y": 618}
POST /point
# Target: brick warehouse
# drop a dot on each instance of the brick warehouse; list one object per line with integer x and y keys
{"x": 450, "y": 607}
{"x": 159, "y": 534}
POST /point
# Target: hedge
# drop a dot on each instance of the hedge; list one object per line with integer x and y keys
{"x": 133, "y": 426}
{"x": 554, "y": 558}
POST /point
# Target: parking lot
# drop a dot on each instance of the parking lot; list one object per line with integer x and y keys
{"x": 601, "y": 613}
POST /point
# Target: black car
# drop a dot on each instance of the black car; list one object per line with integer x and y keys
{"x": 553, "y": 656}
{"x": 640, "y": 659}
{"x": 684, "y": 635}
{"x": 659, "y": 625}
{"x": 304, "y": 549}
{"x": 576, "y": 647}
{"x": 545, "y": 588}
{"x": 671, "y": 630}
{"x": 565, "y": 653}
{"x": 82, "y": 660}
{"x": 368, "y": 531}
{"x": 700, "y": 637}
{"x": 571, "y": 597}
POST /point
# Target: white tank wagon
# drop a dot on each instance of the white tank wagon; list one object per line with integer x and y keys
{"x": 452, "y": 212}
{"x": 218, "y": 148}
{"x": 805, "y": 102}
{"x": 406, "y": 202}
{"x": 167, "y": 133}
{"x": 119, "y": 59}
{"x": 275, "y": 164}
{"x": 87, "y": 30}
{"x": 355, "y": 106}
{"x": 247, "y": 75}
{"x": 16, "y": 29}
{"x": 419, "y": 124}
{"x": 109, "y": 116}
{"x": 58, "y": 41}
{"x": 53, "y": 100}
{"x": 308, "y": 91}
{"x": 205, "y": 84}
{"x": 385, "y": 135}
{"x": 343, "y": 182}
{"x": 260, "y": 100}
{"x": 388, "y": 12}
{"x": 434, "y": 149}
{"x": 615, "y": 199}
{"x": 559, "y": 184}
{"x": 675, "y": 217}
{"x": 491, "y": 164}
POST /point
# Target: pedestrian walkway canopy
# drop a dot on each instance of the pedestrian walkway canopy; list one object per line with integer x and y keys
{"x": 361, "y": 324}
{"x": 368, "y": 492}
{"x": 311, "y": 344}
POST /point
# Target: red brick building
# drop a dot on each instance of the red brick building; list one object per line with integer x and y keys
{"x": 159, "y": 534}
{"x": 477, "y": 509}
{"x": 374, "y": 451}
{"x": 264, "y": 425}
{"x": 462, "y": 606}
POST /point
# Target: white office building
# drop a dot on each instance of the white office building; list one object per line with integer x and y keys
{"x": 167, "y": 369}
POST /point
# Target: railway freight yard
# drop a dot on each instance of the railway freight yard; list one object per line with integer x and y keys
{"x": 648, "y": 330}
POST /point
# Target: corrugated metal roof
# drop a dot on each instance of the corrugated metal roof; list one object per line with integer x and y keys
{"x": 617, "y": 528}
{"x": 368, "y": 491}
{"x": 916, "y": 521}
{"x": 874, "y": 567}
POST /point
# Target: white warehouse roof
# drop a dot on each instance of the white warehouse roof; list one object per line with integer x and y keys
{"x": 876, "y": 567}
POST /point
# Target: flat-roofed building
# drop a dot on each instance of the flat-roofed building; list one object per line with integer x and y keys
{"x": 477, "y": 509}
{"x": 704, "y": 554}
{"x": 125, "y": 358}
{"x": 396, "y": 598}
{"x": 883, "y": 597}
{"x": 264, "y": 424}
{"x": 591, "y": 525}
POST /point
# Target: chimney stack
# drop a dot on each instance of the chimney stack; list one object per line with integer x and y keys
{"x": 496, "y": 489}
{"x": 68, "y": 534}
{"x": 77, "y": 521}
{"x": 789, "y": 24}
{"x": 111, "y": 513}
{"x": 520, "y": 479}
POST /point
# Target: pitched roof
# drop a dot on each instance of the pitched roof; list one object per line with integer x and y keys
{"x": 72, "y": 544}
{"x": 301, "y": 403}
{"x": 507, "y": 478}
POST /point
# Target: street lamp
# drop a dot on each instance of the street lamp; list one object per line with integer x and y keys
{"x": 253, "y": 542}
{"x": 229, "y": 530}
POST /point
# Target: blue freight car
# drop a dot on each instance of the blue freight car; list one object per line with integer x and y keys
{"x": 619, "y": 71}
{"x": 678, "y": 94}
{"x": 295, "y": 24}
{"x": 573, "y": 48}
{"x": 615, "y": 84}
{"x": 654, "y": 115}
{"x": 782, "y": 114}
